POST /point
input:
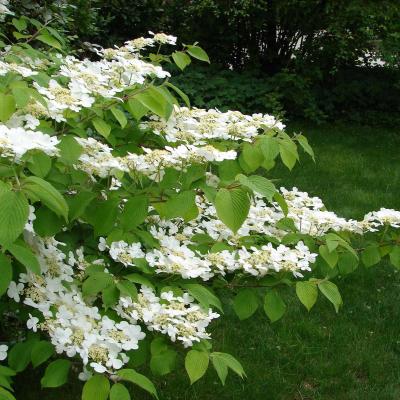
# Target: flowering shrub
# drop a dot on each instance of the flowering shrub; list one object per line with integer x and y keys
{"x": 124, "y": 214}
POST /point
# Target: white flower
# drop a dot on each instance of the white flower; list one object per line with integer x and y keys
{"x": 3, "y": 352}
{"x": 15, "y": 142}
{"x": 98, "y": 367}
{"x": 32, "y": 323}
{"x": 14, "y": 290}
{"x": 85, "y": 375}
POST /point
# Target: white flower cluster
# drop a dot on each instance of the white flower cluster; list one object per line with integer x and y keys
{"x": 154, "y": 162}
{"x": 22, "y": 70}
{"x": 76, "y": 327}
{"x": 175, "y": 316}
{"x": 4, "y": 9}
{"x": 119, "y": 69}
{"x": 311, "y": 217}
{"x": 122, "y": 252}
{"x": 15, "y": 142}
{"x": 97, "y": 159}
{"x": 176, "y": 257}
{"x": 60, "y": 98}
{"x": 177, "y": 253}
{"x": 197, "y": 126}
{"x": 141, "y": 43}
{"x": 308, "y": 213}
{"x": 382, "y": 217}
{"x": 22, "y": 120}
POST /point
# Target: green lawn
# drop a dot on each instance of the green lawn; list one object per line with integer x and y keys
{"x": 353, "y": 355}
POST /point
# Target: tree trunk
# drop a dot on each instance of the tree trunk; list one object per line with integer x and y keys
{"x": 270, "y": 57}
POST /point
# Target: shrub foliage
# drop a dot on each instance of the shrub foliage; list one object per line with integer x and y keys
{"x": 124, "y": 213}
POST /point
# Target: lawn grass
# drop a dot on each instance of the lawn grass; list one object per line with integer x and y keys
{"x": 353, "y": 355}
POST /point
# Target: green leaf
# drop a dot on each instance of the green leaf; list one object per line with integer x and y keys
{"x": 102, "y": 215}
{"x": 182, "y": 205}
{"x": 96, "y": 388}
{"x": 163, "y": 363}
{"x": 203, "y": 295}
{"x": 7, "y": 106}
{"x": 220, "y": 367}
{"x": 4, "y": 187}
{"x": 136, "y": 108}
{"x": 331, "y": 292}
{"x": 47, "y": 223}
{"x": 119, "y": 116}
{"x": 41, "y": 352}
{"x": 286, "y": 224}
{"x": 25, "y": 256}
{"x": 56, "y": 373}
{"x": 55, "y": 33}
{"x": 305, "y": 145}
{"x": 198, "y": 52}
{"x": 127, "y": 288}
{"x": 258, "y": 184}
{"x": 331, "y": 244}
{"x": 228, "y": 170}
{"x": 95, "y": 283}
{"x": 70, "y": 150}
{"x": 347, "y": 262}
{"x": 19, "y": 36}
{"x": 251, "y": 158}
{"x": 245, "y": 303}
{"x": 110, "y": 296}
{"x": 40, "y": 164}
{"x": 307, "y": 292}
{"x": 288, "y": 152}
{"x": 49, "y": 40}
{"x": 269, "y": 148}
{"x": 138, "y": 379}
{"x": 20, "y": 23}
{"x": 370, "y": 256}
{"x": 230, "y": 362}
{"x": 274, "y": 306}
{"x": 281, "y": 202}
{"x": 119, "y": 392}
{"x": 333, "y": 240}
{"x": 101, "y": 127}
{"x": 196, "y": 364}
{"x": 394, "y": 256}
{"x": 20, "y": 355}
{"x": 183, "y": 96}
{"x": 14, "y": 211}
{"x": 5, "y": 273}
{"x": 135, "y": 212}
{"x": 78, "y": 203}
{"x": 140, "y": 279}
{"x": 6, "y": 395}
{"x": 153, "y": 100}
{"x": 48, "y": 195}
{"x": 5, "y": 371}
{"x": 5, "y": 382}
{"x": 158, "y": 345}
{"x": 331, "y": 257}
{"x": 21, "y": 96}
{"x": 232, "y": 207}
{"x": 181, "y": 59}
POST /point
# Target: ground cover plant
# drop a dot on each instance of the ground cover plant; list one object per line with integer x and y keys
{"x": 125, "y": 216}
